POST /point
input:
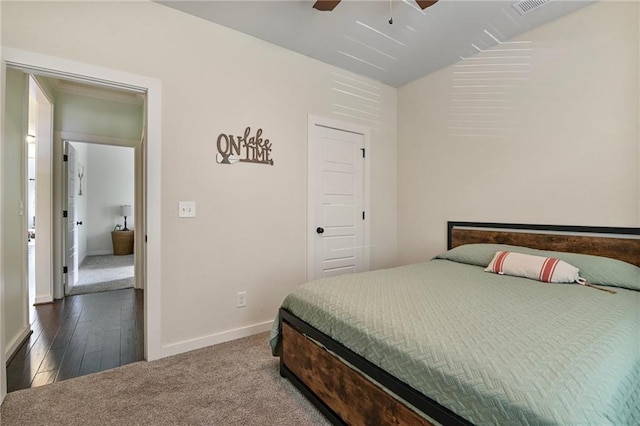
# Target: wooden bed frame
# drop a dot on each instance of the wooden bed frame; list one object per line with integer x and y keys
{"x": 348, "y": 389}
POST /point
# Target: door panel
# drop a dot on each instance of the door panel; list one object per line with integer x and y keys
{"x": 339, "y": 183}
{"x": 336, "y": 194}
{"x": 339, "y": 215}
{"x": 338, "y": 151}
{"x": 339, "y": 271}
{"x": 339, "y": 248}
{"x": 71, "y": 235}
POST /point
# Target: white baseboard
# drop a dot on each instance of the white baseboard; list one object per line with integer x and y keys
{"x": 16, "y": 342}
{"x": 39, "y": 300}
{"x": 213, "y": 339}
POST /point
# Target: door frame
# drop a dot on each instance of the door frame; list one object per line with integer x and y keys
{"x": 64, "y": 182}
{"x": 39, "y": 64}
{"x": 64, "y": 138}
{"x": 316, "y": 120}
{"x": 44, "y": 190}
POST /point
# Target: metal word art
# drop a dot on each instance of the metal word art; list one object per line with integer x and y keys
{"x": 243, "y": 148}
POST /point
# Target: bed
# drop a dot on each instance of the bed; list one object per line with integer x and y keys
{"x": 444, "y": 342}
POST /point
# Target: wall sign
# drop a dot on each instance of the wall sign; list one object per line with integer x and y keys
{"x": 244, "y": 149}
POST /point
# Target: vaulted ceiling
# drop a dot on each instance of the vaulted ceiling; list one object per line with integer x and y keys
{"x": 358, "y": 37}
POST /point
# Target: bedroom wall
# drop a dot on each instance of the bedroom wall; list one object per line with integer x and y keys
{"x": 250, "y": 230}
{"x": 110, "y": 184}
{"x": 564, "y": 146}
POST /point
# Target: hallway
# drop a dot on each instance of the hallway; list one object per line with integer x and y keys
{"x": 79, "y": 335}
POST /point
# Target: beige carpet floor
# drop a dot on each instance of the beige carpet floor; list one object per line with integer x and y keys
{"x": 234, "y": 383}
{"x": 104, "y": 273}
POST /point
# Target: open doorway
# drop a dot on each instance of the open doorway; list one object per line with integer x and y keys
{"x": 14, "y": 322}
{"x": 92, "y": 319}
{"x": 38, "y": 190}
{"x": 100, "y": 194}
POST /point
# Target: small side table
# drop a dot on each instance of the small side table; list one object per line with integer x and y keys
{"x": 122, "y": 242}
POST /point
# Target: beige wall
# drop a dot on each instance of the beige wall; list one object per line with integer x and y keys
{"x": 250, "y": 233}
{"x": 564, "y": 145}
{"x": 85, "y": 114}
{"x": 14, "y": 228}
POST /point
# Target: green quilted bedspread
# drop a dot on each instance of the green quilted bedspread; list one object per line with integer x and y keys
{"x": 493, "y": 349}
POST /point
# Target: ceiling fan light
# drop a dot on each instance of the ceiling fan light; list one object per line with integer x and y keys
{"x": 426, "y": 3}
{"x": 326, "y": 5}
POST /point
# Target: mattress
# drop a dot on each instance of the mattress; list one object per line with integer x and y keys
{"x": 491, "y": 348}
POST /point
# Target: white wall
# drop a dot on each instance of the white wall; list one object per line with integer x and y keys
{"x": 564, "y": 152}
{"x": 110, "y": 184}
{"x": 14, "y": 255}
{"x": 250, "y": 233}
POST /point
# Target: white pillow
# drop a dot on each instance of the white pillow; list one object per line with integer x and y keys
{"x": 545, "y": 269}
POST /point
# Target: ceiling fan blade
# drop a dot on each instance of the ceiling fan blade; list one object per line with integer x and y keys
{"x": 326, "y": 5}
{"x": 426, "y": 3}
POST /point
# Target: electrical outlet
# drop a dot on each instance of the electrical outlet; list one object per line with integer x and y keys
{"x": 241, "y": 301}
{"x": 186, "y": 209}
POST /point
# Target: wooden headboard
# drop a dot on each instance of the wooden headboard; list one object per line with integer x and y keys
{"x": 618, "y": 243}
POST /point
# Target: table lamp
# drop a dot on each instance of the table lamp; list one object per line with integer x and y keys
{"x": 125, "y": 211}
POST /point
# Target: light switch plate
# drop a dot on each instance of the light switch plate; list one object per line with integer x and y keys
{"x": 186, "y": 209}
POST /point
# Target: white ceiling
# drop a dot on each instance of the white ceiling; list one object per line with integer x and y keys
{"x": 416, "y": 44}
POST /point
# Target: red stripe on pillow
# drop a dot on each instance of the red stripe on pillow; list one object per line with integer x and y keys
{"x": 553, "y": 270}
{"x": 499, "y": 263}
{"x": 548, "y": 267}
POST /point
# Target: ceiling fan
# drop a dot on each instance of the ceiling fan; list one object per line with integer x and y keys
{"x": 329, "y": 5}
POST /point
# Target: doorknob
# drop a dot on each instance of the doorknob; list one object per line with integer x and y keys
{"x": 320, "y": 230}
{"x": 79, "y": 223}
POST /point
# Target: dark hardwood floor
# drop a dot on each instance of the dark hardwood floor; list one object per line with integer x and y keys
{"x": 79, "y": 335}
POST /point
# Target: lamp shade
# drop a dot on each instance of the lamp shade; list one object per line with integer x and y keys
{"x": 125, "y": 210}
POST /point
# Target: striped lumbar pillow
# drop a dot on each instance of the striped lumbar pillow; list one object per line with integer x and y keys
{"x": 546, "y": 269}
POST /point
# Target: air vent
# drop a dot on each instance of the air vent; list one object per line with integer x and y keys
{"x": 526, "y": 6}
